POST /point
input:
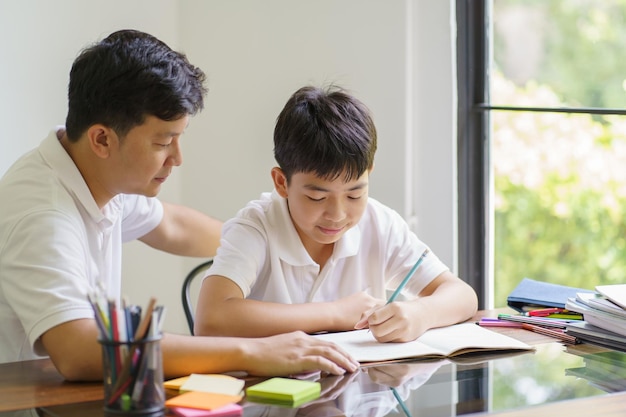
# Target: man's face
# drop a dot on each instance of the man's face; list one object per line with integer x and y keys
{"x": 322, "y": 210}
{"x": 144, "y": 158}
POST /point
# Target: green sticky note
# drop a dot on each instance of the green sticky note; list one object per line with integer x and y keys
{"x": 284, "y": 391}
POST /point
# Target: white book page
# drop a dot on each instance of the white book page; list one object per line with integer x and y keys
{"x": 441, "y": 342}
{"x": 614, "y": 292}
{"x": 362, "y": 346}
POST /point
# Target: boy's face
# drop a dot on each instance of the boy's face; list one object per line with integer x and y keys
{"x": 322, "y": 210}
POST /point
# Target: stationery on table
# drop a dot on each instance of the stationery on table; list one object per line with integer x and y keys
{"x": 539, "y": 321}
{"x": 494, "y": 322}
{"x": 556, "y": 333}
{"x": 202, "y": 400}
{"x": 555, "y": 313}
{"x": 595, "y": 301}
{"x": 596, "y": 335}
{"x": 544, "y": 312}
{"x": 229, "y": 410}
{"x": 284, "y": 391}
{"x": 530, "y": 294}
{"x": 604, "y": 315}
{"x": 216, "y": 385}
{"x": 607, "y": 321}
{"x": 407, "y": 278}
{"x": 131, "y": 353}
{"x": 614, "y": 292}
{"x": 443, "y": 342}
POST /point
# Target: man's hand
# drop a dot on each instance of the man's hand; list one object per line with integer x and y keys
{"x": 294, "y": 353}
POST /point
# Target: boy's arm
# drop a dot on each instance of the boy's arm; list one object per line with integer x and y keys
{"x": 446, "y": 300}
{"x": 76, "y": 353}
{"x": 223, "y": 311}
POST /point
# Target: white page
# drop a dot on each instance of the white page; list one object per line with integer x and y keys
{"x": 614, "y": 292}
{"x": 441, "y": 342}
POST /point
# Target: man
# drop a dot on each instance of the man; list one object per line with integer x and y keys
{"x": 68, "y": 205}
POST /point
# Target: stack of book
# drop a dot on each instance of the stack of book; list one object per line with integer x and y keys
{"x": 541, "y": 309}
{"x": 604, "y": 314}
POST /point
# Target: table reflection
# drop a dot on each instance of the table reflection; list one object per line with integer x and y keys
{"x": 443, "y": 388}
{"x": 448, "y": 388}
{"x": 373, "y": 391}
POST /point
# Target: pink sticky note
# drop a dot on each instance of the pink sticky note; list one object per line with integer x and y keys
{"x": 226, "y": 411}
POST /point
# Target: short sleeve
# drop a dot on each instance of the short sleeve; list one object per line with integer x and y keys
{"x": 141, "y": 215}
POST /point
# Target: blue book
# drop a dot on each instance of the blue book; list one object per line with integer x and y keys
{"x": 530, "y": 293}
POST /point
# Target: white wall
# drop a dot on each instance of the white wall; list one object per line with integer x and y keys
{"x": 395, "y": 55}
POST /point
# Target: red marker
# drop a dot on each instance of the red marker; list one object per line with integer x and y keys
{"x": 545, "y": 312}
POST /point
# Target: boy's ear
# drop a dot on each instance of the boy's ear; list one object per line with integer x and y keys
{"x": 280, "y": 181}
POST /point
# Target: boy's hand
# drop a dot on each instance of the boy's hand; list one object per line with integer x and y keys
{"x": 399, "y": 321}
{"x": 349, "y": 309}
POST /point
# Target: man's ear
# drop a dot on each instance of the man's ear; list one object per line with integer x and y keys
{"x": 101, "y": 140}
{"x": 280, "y": 181}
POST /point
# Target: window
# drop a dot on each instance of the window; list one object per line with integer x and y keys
{"x": 542, "y": 143}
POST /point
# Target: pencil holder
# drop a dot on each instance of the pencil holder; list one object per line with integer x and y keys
{"x": 133, "y": 377}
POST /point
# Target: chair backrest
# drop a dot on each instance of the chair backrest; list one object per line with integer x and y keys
{"x": 187, "y": 296}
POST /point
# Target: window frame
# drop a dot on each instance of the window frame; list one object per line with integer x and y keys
{"x": 475, "y": 212}
{"x": 473, "y": 146}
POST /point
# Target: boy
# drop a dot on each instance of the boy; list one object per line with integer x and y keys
{"x": 317, "y": 254}
{"x": 68, "y": 206}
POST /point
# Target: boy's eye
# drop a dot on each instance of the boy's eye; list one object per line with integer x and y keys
{"x": 315, "y": 199}
{"x": 354, "y": 197}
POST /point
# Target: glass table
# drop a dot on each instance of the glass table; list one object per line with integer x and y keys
{"x": 552, "y": 373}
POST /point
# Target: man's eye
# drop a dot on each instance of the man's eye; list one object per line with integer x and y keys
{"x": 354, "y": 197}
{"x": 315, "y": 199}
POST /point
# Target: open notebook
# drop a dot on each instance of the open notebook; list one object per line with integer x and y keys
{"x": 444, "y": 342}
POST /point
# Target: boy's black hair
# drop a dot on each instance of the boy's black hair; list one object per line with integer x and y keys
{"x": 126, "y": 77}
{"x": 326, "y": 131}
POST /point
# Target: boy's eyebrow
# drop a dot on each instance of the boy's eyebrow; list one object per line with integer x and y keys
{"x": 314, "y": 187}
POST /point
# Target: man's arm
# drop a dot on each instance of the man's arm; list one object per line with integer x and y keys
{"x": 223, "y": 311}
{"x": 76, "y": 353}
{"x": 185, "y": 231}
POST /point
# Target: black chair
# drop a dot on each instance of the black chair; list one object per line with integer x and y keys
{"x": 186, "y": 293}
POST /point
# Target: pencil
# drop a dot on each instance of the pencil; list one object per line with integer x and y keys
{"x": 408, "y": 277}
{"x": 123, "y": 377}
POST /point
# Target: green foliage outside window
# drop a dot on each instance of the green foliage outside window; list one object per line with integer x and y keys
{"x": 559, "y": 178}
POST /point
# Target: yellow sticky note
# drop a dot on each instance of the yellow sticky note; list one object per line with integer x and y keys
{"x": 218, "y": 384}
{"x": 175, "y": 383}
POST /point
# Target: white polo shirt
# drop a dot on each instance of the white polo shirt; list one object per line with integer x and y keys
{"x": 262, "y": 253}
{"x": 57, "y": 246}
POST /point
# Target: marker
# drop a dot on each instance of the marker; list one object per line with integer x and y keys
{"x": 542, "y": 312}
